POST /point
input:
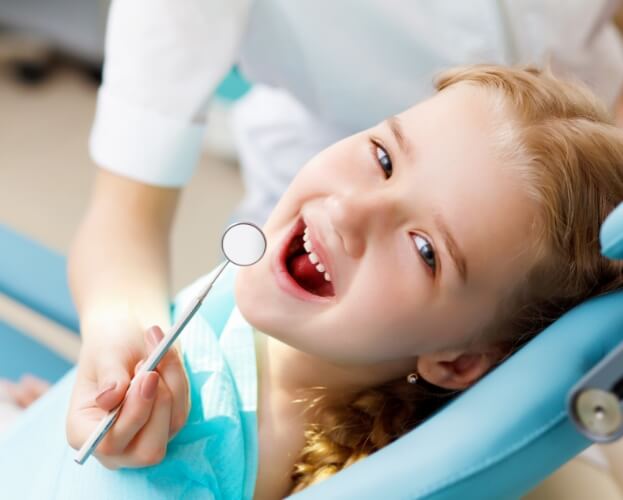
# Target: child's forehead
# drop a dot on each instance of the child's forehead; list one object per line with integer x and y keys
{"x": 459, "y": 124}
{"x": 467, "y": 102}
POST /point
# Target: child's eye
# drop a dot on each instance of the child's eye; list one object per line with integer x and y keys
{"x": 383, "y": 159}
{"x": 426, "y": 251}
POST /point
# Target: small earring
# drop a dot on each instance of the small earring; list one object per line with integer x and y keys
{"x": 412, "y": 378}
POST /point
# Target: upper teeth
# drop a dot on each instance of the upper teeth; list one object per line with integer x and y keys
{"x": 312, "y": 256}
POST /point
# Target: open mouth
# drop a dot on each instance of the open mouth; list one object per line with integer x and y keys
{"x": 304, "y": 265}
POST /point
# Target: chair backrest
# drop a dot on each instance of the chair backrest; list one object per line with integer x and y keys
{"x": 508, "y": 432}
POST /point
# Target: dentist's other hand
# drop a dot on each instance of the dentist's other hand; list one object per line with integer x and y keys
{"x": 156, "y": 408}
{"x": 26, "y": 391}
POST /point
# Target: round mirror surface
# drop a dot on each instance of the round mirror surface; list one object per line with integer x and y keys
{"x": 243, "y": 243}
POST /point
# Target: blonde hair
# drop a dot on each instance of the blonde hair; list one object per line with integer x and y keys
{"x": 563, "y": 144}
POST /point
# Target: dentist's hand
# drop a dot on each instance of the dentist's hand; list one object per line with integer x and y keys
{"x": 156, "y": 408}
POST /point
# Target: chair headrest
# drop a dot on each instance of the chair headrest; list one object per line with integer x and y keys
{"x": 611, "y": 235}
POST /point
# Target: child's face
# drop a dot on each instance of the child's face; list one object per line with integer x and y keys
{"x": 382, "y": 213}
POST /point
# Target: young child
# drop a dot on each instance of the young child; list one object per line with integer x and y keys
{"x": 403, "y": 263}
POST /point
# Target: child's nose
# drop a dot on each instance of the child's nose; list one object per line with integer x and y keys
{"x": 356, "y": 215}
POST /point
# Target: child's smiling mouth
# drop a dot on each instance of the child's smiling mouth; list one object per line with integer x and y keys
{"x": 300, "y": 259}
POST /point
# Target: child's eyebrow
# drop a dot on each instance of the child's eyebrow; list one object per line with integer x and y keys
{"x": 453, "y": 249}
{"x": 396, "y": 128}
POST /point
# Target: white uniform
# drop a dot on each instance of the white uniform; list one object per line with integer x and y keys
{"x": 322, "y": 69}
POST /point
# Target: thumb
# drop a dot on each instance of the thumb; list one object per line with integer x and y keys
{"x": 113, "y": 380}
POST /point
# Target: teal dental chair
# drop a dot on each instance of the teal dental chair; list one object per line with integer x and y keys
{"x": 498, "y": 440}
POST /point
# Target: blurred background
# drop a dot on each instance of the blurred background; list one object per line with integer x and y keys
{"x": 50, "y": 68}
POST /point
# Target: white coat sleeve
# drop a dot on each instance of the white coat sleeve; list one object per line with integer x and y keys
{"x": 163, "y": 60}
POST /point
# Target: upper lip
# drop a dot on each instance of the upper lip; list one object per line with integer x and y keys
{"x": 320, "y": 250}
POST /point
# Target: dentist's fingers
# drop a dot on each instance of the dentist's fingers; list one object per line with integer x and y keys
{"x": 150, "y": 444}
{"x": 105, "y": 367}
{"x": 171, "y": 369}
{"x": 113, "y": 381}
{"x": 157, "y": 402}
{"x": 134, "y": 414}
{"x": 35, "y": 386}
{"x": 16, "y": 393}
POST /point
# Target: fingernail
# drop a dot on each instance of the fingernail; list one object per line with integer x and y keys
{"x": 108, "y": 388}
{"x": 155, "y": 335}
{"x": 149, "y": 385}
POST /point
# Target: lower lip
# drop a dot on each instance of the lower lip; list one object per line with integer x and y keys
{"x": 285, "y": 281}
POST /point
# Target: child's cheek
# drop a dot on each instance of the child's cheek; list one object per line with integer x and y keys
{"x": 247, "y": 294}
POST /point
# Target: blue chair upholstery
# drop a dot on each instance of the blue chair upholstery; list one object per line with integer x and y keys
{"x": 498, "y": 440}
{"x": 35, "y": 277}
{"x": 611, "y": 235}
{"x": 22, "y": 354}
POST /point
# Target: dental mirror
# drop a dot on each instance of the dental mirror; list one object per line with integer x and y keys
{"x": 243, "y": 244}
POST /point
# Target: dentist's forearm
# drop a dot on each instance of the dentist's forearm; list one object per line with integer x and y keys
{"x": 119, "y": 261}
{"x": 118, "y": 273}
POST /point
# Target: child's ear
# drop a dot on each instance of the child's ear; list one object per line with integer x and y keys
{"x": 456, "y": 369}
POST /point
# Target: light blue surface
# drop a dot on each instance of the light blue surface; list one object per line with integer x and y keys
{"x": 34, "y": 276}
{"x": 611, "y": 236}
{"x": 21, "y": 354}
{"x": 213, "y": 456}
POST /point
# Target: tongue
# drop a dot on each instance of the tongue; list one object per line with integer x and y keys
{"x": 306, "y": 275}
